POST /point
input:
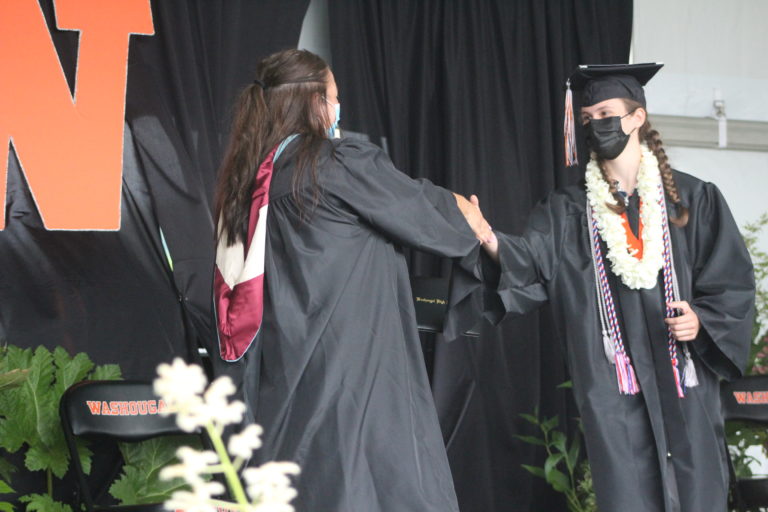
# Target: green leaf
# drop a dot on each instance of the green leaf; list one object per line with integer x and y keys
{"x": 550, "y": 423}
{"x": 36, "y": 459}
{"x": 86, "y": 455}
{"x": 6, "y": 507}
{"x": 573, "y": 453}
{"x": 16, "y": 357}
{"x": 534, "y": 470}
{"x": 558, "y": 480}
{"x": 558, "y": 441}
{"x": 12, "y": 379}
{"x": 106, "y": 372}
{"x": 43, "y": 503}
{"x": 159, "y": 491}
{"x": 566, "y": 385}
{"x": 551, "y": 463}
{"x": 6, "y": 470}
{"x": 36, "y": 392}
{"x": 5, "y": 488}
{"x": 134, "y": 488}
{"x": 530, "y": 418}
{"x": 11, "y": 437}
{"x": 126, "y": 489}
{"x": 532, "y": 440}
{"x": 69, "y": 369}
{"x": 140, "y": 482}
{"x": 17, "y": 424}
{"x": 29, "y": 407}
{"x": 49, "y": 424}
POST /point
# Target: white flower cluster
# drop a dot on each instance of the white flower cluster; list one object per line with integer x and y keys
{"x": 635, "y": 273}
{"x": 270, "y": 486}
{"x": 183, "y": 389}
{"x": 181, "y": 386}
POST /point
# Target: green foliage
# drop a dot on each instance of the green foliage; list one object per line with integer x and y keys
{"x": 584, "y": 489}
{"x": 140, "y": 483}
{"x": 751, "y": 233}
{"x": 43, "y": 503}
{"x": 12, "y": 379}
{"x": 576, "y": 481}
{"x": 5, "y": 489}
{"x": 6, "y": 470}
{"x": 29, "y": 411}
{"x": 741, "y": 436}
{"x": 31, "y": 386}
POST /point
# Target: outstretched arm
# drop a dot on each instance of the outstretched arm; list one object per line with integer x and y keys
{"x": 471, "y": 211}
{"x": 489, "y": 240}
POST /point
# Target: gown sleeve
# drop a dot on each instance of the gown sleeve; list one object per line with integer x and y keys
{"x": 413, "y": 213}
{"x": 723, "y": 285}
{"x": 527, "y": 263}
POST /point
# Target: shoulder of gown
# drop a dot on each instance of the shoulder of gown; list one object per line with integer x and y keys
{"x": 723, "y": 294}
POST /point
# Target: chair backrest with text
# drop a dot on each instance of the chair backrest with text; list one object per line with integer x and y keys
{"x": 746, "y": 399}
{"x": 430, "y": 301}
{"x": 127, "y": 411}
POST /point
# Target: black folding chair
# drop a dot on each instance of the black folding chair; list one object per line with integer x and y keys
{"x": 124, "y": 411}
{"x": 430, "y": 301}
{"x": 746, "y": 400}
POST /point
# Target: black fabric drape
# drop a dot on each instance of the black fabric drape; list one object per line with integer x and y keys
{"x": 113, "y": 295}
{"x": 469, "y": 94}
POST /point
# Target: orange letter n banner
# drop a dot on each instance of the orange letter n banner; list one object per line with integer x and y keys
{"x": 70, "y": 147}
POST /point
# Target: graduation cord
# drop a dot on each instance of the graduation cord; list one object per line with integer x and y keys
{"x": 635, "y": 270}
{"x": 612, "y": 339}
{"x": 689, "y": 378}
{"x": 613, "y": 343}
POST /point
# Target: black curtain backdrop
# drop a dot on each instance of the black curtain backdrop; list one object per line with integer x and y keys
{"x": 113, "y": 295}
{"x": 470, "y": 95}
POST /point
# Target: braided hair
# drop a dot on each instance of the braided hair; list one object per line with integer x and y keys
{"x": 652, "y": 138}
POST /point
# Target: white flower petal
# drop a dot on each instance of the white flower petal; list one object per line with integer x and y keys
{"x": 243, "y": 444}
{"x": 270, "y": 483}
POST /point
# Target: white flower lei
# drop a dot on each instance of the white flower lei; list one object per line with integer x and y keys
{"x": 634, "y": 273}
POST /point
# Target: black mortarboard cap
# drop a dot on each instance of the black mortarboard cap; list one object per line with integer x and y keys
{"x": 600, "y": 82}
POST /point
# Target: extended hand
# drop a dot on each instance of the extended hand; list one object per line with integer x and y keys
{"x": 491, "y": 245}
{"x": 686, "y": 326}
{"x": 474, "y": 218}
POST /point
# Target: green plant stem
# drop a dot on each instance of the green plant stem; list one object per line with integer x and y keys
{"x": 229, "y": 471}
{"x": 570, "y": 496}
{"x": 572, "y": 478}
{"x": 49, "y": 482}
{"x": 226, "y": 505}
{"x": 574, "y": 501}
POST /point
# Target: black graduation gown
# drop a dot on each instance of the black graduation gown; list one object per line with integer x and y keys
{"x": 337, "y": 376}
{"x": 651, "y": 451}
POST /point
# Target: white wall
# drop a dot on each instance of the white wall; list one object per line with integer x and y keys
{"x": 709, "y": 44}
{"x": 741, "y": 176}
{"x": 705, "y": 44}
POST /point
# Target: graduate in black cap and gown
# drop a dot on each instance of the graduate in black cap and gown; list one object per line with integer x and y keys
{"x": 653, "y": 289}
{"x": 313, "y": 302}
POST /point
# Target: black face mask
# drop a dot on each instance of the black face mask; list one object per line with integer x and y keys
{"x": 606, "y": 138}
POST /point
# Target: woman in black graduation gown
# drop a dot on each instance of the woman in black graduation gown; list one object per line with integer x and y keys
{"x": 649, "y": 327}
{"x": 336, "y": 375}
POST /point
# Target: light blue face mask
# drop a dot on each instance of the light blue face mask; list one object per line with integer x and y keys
{"x": 335, "y": 125}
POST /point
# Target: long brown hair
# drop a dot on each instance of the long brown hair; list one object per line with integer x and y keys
{"x": 286, "y": 97}
{"x": 652, "y": 138}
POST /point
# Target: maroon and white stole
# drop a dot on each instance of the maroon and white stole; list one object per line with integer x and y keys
{"x": 238, "y": 286}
